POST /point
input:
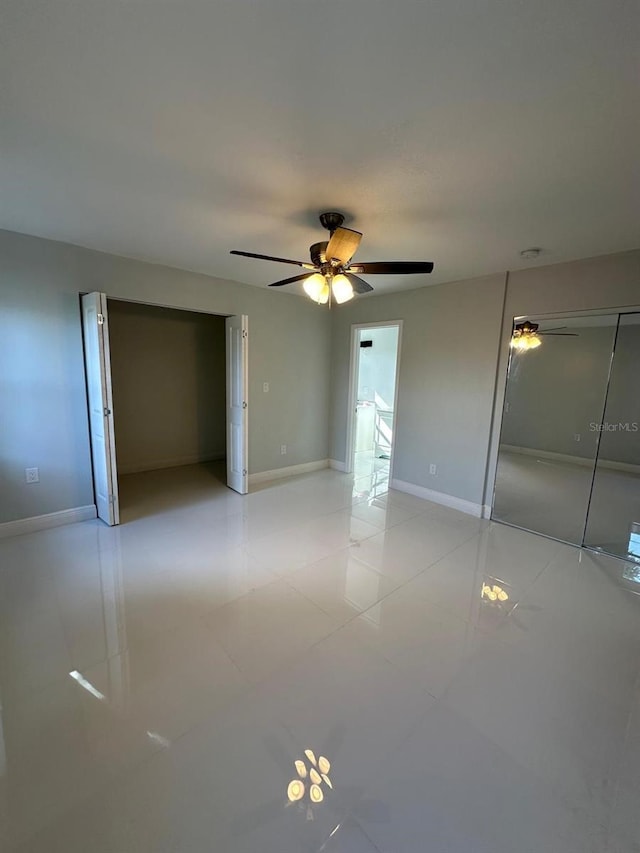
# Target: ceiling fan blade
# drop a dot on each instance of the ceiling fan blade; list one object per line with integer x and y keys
{"x": 359, "y": 285}
{"x": 393, "y": 267}
{"x": 289, "y": 280}
{"x": 269, "y": 258}
{"x": 343, "y": 245}
{"x": 555, "y": 329}
{"x": 560, "y": 334}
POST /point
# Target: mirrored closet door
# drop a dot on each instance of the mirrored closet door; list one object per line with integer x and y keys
{"x": 613, "y": 523}
{"x": 569, "y": 454}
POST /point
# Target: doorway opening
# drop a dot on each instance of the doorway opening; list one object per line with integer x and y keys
{"x": 167, "y": 405}
{"x": 375, "y": 359}
{"x": 168, "y": 372}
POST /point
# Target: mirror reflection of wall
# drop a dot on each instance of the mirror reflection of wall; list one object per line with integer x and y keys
{"x": 614, "y": 513}
{"x": 555, "y": 395}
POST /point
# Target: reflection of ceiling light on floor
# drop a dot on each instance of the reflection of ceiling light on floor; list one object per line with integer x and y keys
{"x": 493, "y": 593}
{"x": 295, "y": 791}
{"x": 315, "y": 794}
{"x": 317, "y": 773}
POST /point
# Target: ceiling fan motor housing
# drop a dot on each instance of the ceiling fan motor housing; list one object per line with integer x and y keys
{"x": 318, "y": 253}
{"x": 331, "y": 220}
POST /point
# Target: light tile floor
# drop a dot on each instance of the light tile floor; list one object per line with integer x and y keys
{"x": 158, "y": 680}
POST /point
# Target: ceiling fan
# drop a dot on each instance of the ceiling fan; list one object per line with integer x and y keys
{"x": 526, "y": 335}
{"x": 333, "y": 275}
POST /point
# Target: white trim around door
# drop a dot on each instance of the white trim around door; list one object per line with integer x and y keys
{"x": 353, "y": 388}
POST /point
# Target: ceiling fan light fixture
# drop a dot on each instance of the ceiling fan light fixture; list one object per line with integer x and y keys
{"x": 341, "y": 288}
{"x": 315, "y": 287}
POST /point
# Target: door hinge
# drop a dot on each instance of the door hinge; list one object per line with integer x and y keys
{"x": 101, "y": 319}
{"x": 245, "y": 333}
{"x": 244, "y": 405}
{"x": 244, "y": 472}
{"x": 112, "y": 499}
{"x": 107, "y": 411}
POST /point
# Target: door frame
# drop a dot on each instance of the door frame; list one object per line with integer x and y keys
{"x": 354, "y": 367}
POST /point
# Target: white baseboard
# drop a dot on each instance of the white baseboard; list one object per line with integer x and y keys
{"x": 439, "y": 498}
{"x": 176, "y": 462}
{"x": 337, "y": 466}
{"x": 43, "y": 522}
{"x": 289, "y": 471}
{"x": 573, "y": 460}
{"x": 619, "y": 466}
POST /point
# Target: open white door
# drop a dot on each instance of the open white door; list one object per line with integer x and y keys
{"x": 237, "y": 392}
{"x": 98, "y": 369}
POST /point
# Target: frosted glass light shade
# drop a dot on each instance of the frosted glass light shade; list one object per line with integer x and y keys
{"x": 314, "y": 285}
{"x": 342, "y": 289}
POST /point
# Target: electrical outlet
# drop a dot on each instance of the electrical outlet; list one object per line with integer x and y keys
{"x": 32, "y": 475}
{"x": 283, "y": 449}
{"x": 265, "y": 387}
{"x": 433, "y": 470}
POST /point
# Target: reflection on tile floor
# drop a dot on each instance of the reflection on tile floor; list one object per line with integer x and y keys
{"x": 473, "y": 687}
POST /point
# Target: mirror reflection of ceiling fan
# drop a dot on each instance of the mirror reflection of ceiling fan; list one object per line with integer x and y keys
{"x": 526, "y": 335}
{"x": 333, "y": 275}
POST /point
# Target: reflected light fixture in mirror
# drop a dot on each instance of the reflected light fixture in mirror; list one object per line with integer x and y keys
{"x": 525, "y": 337}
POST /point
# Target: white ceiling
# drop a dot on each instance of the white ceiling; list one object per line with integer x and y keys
{"x": 455, "y": 131}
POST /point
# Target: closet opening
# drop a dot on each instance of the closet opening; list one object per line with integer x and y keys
{"x": 167, "y": 393}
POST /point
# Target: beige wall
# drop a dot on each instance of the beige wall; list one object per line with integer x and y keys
{"x": 454, "y": 359}
{"x": 169, "y": 381}
{"x": 446, "y": 380}
{"x": 449, "y": 396}
{"x": 43, "y": 408}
